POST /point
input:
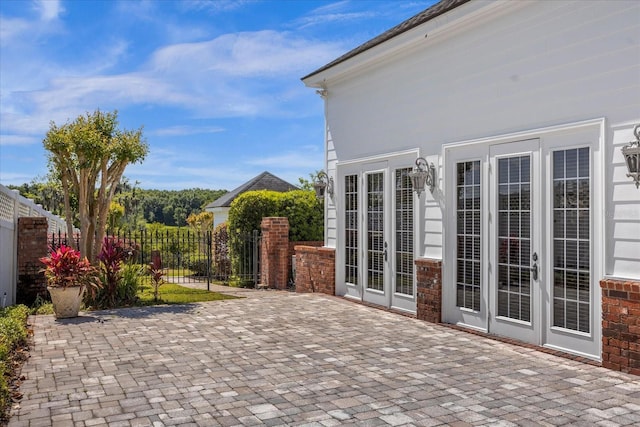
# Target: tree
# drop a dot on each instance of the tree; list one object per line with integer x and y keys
{"x": 201, "y": 222}
{"x": 89, "y": 156}
{"x": 116, "y": 215}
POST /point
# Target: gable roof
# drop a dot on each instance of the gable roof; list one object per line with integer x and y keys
{"x": 264, "y": 181}
{"x": 432, "y": 12}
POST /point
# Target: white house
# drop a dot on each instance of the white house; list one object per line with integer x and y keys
{"x": 523, "y": 108}
{"x": 265, "y": 181}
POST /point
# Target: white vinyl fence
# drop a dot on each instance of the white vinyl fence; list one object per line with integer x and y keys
{"x": 12, "y": 207}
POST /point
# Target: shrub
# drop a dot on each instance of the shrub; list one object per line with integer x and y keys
{"x": 13, "y": 333}
{"x": 129, "y": 284}
{"x": 221, "y": 260}
{"x": 199, "y": 266}
{"x": 112, "y": 257}
{"x": 304, "y": 211}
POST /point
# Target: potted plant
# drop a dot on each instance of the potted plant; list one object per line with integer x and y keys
{"x": 68, "y": 276}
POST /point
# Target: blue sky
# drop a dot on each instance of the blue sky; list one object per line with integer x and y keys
{"x": 216, "y": 84}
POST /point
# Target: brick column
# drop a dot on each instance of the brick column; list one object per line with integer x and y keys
{"x": 621, "y": 325}
{"x": 315, "y": 269}
{"x": 274, "y": 250}
{"x": 32, "y": 245}
{"x": 429, "y": 289}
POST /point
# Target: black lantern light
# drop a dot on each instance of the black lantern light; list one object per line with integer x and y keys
{"x": 423, "y": 174}
{"x": 323, "y": 184}
{"x": 631, "y": 155}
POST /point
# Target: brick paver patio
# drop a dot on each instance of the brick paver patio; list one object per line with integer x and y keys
{"x": 279, "y": 358}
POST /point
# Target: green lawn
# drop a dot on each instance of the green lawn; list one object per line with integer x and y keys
{"x": 171, "y": 293}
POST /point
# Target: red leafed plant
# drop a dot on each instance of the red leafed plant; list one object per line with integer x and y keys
{"x": 156, "y": 272}
{"x": 112, "y": 256}
{"x": 65, "y": 267}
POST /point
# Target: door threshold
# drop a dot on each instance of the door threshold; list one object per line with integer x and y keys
{"x": 394, "y": 310}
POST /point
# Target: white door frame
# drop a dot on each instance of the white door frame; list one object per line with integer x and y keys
{"x": 588, "y": 133}
{"x": 387, "y": 164}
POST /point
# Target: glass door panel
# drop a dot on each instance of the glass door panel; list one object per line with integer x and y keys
{"x": 514, "y": 238}
{"x": 571, "y": 236}
{"x": 403, "y": 277}
{"x": 376, "y": 245}
{"x": 513, "y": 276}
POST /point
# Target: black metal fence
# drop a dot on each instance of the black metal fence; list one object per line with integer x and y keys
{"x": 189, "y": 256}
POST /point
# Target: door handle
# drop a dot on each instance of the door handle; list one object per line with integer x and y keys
{"x": 534, "y": 267}
{"x": 385, "y": 251}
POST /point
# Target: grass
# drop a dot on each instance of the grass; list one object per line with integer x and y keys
{"x": 170, "y": 293}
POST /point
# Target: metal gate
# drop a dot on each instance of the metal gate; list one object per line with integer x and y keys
{"x": 189, "y": 256}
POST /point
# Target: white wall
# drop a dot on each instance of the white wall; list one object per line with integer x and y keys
{"x": 12, "y": 207}
{"x": 220, "y": 215}
{"x": 524, "y": 65}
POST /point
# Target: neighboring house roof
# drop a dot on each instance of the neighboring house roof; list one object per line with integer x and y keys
{"x": 264, "y": 181}
{"x": 432, "y": 12}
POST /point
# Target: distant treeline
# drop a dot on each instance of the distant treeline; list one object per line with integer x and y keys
{"x": 168, "y": 207}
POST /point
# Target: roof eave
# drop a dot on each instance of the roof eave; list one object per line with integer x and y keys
{"x": 406, "y": 26}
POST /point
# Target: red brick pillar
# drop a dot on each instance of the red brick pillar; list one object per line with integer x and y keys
{"x": 32, "y": 245}
{"x": 429, "y": 289}
{"x": 274, "y": 252}
{"x": 621, "y": 325}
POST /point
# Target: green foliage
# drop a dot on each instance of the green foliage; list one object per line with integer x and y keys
{"x": 175, "y": 294}
{"x": 304, "y": 211}
{"x": 116, "y": 215}
{"x": 248, "y": 209}
{"x": 89, "y": 156}
{"x": 129, "y": 284}
{"x": 221, "y": 260}
{"x": 156, "y": 272}
{"x": 13, "y": 333}
{"x": 168, "y": 207}
{"x": 301, "y": 207}
{"x": 198, "y": 265}
{"x": 134, "y": 206}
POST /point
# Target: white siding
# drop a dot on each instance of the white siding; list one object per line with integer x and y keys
{"x": 535, "y": 64}
{"x": 622, "y": 211}
{"x": 330, "y": 204}
{"x": 12, "y": 207}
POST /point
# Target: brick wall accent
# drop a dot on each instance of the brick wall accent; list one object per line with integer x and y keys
{"x": 274, "y": 252}
{"x": 315, "y": 269}
{"x": 32, "y": 245}
{"x": 621, "y": 325}
{"x": 292, "y": 250}
{"x": 429, "y": 289}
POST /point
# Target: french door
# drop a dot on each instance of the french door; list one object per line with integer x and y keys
{"x": 376, "y": 255}
{"x": 519, "y": 250}
{"x": 514, "y": 240}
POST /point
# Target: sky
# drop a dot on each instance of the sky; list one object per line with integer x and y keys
{"x": 214, "y": 84}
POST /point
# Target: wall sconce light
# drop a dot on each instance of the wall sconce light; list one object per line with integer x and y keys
{"x": 424, "y": 173}
{"x": 323, "y": 184}
{"x": 631, "y": 155}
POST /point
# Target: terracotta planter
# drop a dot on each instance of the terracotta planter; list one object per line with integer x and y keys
{"x": 66, "y": 301}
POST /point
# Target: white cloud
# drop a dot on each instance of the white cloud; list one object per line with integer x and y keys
{"x": 247, "y": 54}
{"x": 186, "y": 130}
{"x": 18, "y": 140}
{"x": 11, "y": 28}
{"x": 49, "y": 10}
{"x": 215, "y": 6}
{"x": 229, "y": 76}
